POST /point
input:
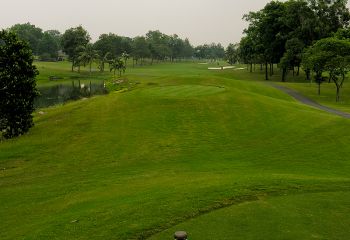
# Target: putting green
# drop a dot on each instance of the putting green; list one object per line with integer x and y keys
{"x": 183, "y": 91}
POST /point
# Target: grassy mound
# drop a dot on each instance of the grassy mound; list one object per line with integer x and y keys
{"x": 128, "y": 165}
{"x": 183, "y": 91}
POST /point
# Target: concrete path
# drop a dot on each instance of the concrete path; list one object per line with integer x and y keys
{"x": 309, "y": 102}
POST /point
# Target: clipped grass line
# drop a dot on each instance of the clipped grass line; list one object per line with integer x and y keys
{"x": 246, "y": 198}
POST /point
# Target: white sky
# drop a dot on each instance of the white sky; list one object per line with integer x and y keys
{"x": 202, "y": 21}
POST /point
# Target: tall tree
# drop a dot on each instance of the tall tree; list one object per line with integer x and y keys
{"x": 232, "y": 53}
{"x": 29, "y": 33}
{"x": 87, "y": 55}
{"x": 72, "y": 39}
{"x": 49, "y": 45}
{"x": 17, "y": 86}
{"x": 117, "y": 64}
{"x": 140, "y": 49}
{"x": 331, "y": 55}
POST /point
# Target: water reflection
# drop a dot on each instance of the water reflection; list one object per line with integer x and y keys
{"x": 62, "y": 93}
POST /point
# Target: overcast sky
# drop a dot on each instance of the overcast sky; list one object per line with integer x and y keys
{"x": 202, "y": 21}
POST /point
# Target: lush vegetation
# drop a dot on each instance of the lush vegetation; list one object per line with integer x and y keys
{"x": 17, "y": 86}
{"x": 105, "y": 168}
{"x": 184, "y": 142}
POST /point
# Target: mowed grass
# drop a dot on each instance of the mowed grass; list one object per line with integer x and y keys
{"x": 129, "y": 165}
{"x": 300, "y": 216}
{"x": 328, "y": 94}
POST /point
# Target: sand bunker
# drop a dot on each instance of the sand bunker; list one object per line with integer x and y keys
{"x": 221, "y": 68}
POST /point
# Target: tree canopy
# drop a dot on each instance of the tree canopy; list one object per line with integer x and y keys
{"x": 17, "y": 85}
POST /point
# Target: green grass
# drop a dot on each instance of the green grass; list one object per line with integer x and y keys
{"x": 328, "y": 94}
{"x": 185, "y": 142}
{"x": 301, "y": 216}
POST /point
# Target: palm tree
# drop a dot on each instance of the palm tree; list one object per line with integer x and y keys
{"x": 117, "y": 64}
{"x": 103, "y": 59}
{"x": 88, "y": 55}
{"x": 125, "y": 56}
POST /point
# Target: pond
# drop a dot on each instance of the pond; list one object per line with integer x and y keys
{"x": 61, "y": 93}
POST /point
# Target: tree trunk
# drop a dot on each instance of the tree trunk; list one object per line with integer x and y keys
{"x": 298, "y": 72}
{"x": 72, "y": 65}
{"x": 307, "y": 71}
{"x": 251, "y": 67}
{"x": 272, "y": 70}
{"x": 338, "y": 94}
{"x": 284, "y": 71}
{"x": 90, "y": 67}
{"x": 319, "y": 88}
{"x": 266, "y": 72}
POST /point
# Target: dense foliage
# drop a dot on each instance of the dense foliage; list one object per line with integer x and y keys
{"x": 281, "y": 31}
{"x": 17, "y": 85}
{"x": 154, "y": 45}
{"x": 46, "y": 44}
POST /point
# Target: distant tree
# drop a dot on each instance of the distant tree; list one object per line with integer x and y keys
{"x": 87, "y": 55}
{"x": 49, "y": 45}
{"x": 247, "y": 51}
{"x": 158, "y": 45}
{"x": 292, "y": 56}
{"x": 125, "y": 56}
{"x": 29, "y": 33}
{"x": 72, "y": 39}
{"x": 117, "y": 64}
{"x": 140, "y": 49}
{"x": 17, "y": 85}
{"x": 103, "y": 59}
{"x": 188, "y": 50}
{"x": 232, "y": 53}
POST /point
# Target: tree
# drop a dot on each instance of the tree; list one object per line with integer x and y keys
{"x": 17, "y": 85}
{"x": 87, "y": 55}
{"x": 29, "y": 33}
{"x": 72, "y": 39}
{"x": 246, "y": 51}
{"x": 140, "y": 49}
{"x": 103, "y": 59}
{"x": 158, "y": 45}
{"x": 125, "y": 56}
{"x": 49, "y": 45}
{"x": 117, "y": 64}
{"x": 331, "y": 55}
{"x": 292, "y": 57}
{"x": 232, "y": 53}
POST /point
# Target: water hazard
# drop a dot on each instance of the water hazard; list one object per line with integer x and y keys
{"x": 61, "y": 93}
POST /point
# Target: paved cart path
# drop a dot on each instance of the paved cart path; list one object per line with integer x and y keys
{"x": 309, "y": 102}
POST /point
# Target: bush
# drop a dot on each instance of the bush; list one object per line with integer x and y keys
{"x": 17, "y": 86}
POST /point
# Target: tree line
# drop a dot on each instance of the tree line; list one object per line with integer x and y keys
{"x": 312, "y": 35}
{"x": 76, "y": 44}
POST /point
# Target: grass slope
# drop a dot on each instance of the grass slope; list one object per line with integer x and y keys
{"x": 127, "y": 165}
{"x": 301, "y": 216}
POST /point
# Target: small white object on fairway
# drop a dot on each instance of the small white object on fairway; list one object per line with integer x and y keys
{"x": 240, "y": 68}
{"x": 203, "y": 63}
